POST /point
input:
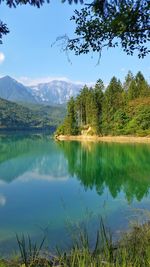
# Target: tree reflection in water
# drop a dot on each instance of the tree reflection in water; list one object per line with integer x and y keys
{"x": 120, "y": 167}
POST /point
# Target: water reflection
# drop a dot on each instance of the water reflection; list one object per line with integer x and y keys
{"x": 42, "y": 183}
{"x": 120, "y": 167}
{"x": 30, "y": 154}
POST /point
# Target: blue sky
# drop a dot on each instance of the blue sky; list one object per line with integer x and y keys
{"x": 26, "y": 53}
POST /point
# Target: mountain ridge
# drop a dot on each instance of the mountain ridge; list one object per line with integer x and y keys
{"x": 12, "y": 90}
{"x": 55, "y": 92}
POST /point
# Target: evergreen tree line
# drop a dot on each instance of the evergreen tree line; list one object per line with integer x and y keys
{"x": 117, "y": 109}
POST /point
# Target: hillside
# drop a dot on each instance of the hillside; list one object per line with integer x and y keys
{"x": 53, "y": 113}
{"x": 16, "y": 116}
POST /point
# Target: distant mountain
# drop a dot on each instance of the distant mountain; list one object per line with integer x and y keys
{"x": 55, "y": 92}
{"x": 12, "y": 90}
{"x": 16, "y": 116}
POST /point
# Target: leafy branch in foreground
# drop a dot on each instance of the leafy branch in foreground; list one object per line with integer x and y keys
{"x": 103, "y": 23}
{"x": 3, "y": 30}
{"x": 109, "y": 23}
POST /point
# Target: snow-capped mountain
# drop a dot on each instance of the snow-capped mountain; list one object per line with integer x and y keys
{"x": 55, "y": 92}
{"x": 52, "y": 93}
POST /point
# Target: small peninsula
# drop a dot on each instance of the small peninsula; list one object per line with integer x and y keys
{"x": 118, "y": 113}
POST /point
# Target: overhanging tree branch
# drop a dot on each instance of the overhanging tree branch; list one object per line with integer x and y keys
{"x": 103, "y": 23}
{"x": 114, "y": 22}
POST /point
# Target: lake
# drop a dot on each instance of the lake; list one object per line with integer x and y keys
{"x": 49, "y": 188}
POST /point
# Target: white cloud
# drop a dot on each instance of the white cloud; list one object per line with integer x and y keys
{"x": 34, "y": 81}
{"x": 2, "y": 57}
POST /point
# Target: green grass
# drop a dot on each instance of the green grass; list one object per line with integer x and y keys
{"x": 133, "y": 250}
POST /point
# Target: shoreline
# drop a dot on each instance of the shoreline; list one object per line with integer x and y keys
{"x": 131, "y": 245}
{"x": 113, "y": 139}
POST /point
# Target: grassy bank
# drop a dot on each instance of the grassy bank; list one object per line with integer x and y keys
{"x": 133, "y": 250}
{"x": 95, "y": 138}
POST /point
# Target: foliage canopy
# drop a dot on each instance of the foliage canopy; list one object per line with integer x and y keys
{"x": 103, "y": 23}
{"x": 108, "y": 23}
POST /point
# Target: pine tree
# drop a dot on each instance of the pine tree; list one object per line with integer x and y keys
{"x": 138, "y": 87}
{"x": 128, "y": 79}
{"x": 113, "y": 100}
{"x": 81, "y": 106}
{"x": 99, "y": 97}
{"x": 70, "y": 123}
{"x": 143, "y": 88}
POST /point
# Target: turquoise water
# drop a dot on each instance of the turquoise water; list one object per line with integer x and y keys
{"x": 46, "y": 187}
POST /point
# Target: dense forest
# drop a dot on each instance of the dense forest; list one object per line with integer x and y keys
{"x": 119, "y": 109}
{"x": 15, "y": 116}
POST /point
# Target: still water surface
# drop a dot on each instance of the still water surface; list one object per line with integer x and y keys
{"x": 46, "y": 186}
